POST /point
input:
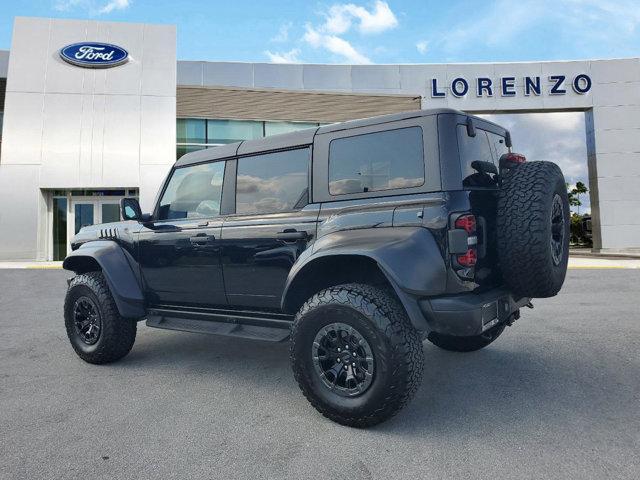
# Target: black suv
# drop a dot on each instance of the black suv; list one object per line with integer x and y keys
{"x": 355, "y": 240}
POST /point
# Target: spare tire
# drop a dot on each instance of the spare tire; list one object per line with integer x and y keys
{"x": 533, "y": 229}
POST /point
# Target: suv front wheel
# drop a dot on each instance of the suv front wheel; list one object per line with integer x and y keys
{"x": 97, "y": 332}
{"x": 355, "y": 354}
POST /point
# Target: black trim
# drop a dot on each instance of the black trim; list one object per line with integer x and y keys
{"x": 228, "y": 203}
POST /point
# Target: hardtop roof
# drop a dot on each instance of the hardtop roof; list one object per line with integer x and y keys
{"x": 301, "y": 138}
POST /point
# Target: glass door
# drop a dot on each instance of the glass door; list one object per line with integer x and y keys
{"x": 70, "y": 210}
{"x": 109, "y": 211}
{"x": 59, "y": 228}
{"x": 83, "y": 214}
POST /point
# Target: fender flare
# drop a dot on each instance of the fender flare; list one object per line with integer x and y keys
{"x": 409, "y": 257}
{"x": 115, "y": 264}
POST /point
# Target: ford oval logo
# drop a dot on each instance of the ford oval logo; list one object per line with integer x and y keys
{"x": 94, "y": 54}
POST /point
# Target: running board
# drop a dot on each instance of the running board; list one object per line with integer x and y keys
{"x": 270, "y": 331}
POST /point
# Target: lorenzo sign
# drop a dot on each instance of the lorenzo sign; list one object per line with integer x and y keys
{"x": 485, "y": 87}
{"x": 94, "y": 55}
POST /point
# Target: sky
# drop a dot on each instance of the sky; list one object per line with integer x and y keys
{"x": 391, "y": 31}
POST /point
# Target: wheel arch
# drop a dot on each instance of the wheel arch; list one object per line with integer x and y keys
{"x": 116, "y": 266}
{"x": 326, "y": 271}
{"x": 406, "y": 259}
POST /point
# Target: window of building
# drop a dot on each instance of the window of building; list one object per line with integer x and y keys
{"x": 196, "y": 133}
{"x": 191, "y": 130}
{"x": 376, "y": 161}
{"x": 193, "y": 192}
{"x": 59, "y": 228}
{"x": 273, "y": 182}
{"x": 275, "y": 128}
{"x": 229, "y": 131}
{"x": 477, "y": 148}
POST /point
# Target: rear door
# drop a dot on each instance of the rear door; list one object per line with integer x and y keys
{"x": 180, "y": 251}
{"x": 272, "y": 225}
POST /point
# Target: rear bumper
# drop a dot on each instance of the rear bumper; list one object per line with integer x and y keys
{"x": 468, "y": 314}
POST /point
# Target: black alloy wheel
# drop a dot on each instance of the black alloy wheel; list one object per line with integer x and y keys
{"x": 86, "y": 320}
{"x": 557, "y": 230}
{"x": 343, "y": 359}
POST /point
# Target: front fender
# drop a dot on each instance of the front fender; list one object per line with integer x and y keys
{"x": 116, "y": 268}
{"x": 408, "y": 256}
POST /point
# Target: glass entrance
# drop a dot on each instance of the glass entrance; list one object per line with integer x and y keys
{"x": 83, "y": 215}
{"x": 72, "y": 210}
{"x": 59, "y": 229}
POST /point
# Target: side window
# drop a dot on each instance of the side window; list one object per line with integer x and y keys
{"x": 376, "y": 161}
{"x": 473, "y": 149}
{"x": 193, "y": 192}
{"x": 273, "y": 182}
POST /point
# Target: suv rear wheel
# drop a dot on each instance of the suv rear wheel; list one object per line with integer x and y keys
{"x": 97, "y": 332}
{"x": 355, "y": 355}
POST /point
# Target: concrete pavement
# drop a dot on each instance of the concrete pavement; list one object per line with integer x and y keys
{"x": 555, "y": 397}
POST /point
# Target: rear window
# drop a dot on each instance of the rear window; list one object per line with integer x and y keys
{"x": 484, "y": 147}
{"x": 376, "y": 161}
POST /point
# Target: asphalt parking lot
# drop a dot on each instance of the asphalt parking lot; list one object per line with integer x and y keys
{"x": 557, "y": 396}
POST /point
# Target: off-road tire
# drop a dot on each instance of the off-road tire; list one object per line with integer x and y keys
{"x": 524, "y": 229}
{"x": 377, "y": 316}
{"x": 466, "y": 344}
{"x": 117, "y": 334}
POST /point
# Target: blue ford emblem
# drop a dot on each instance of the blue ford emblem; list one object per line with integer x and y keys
{"x": 94, "y": 54}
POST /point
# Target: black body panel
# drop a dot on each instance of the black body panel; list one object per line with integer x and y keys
{"x": 183, "y": 273}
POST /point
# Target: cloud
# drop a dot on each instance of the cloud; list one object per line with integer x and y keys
{"x": 283, "y": 33}
{"x": 115, "y": 5}
{"x": 329, "y": 33}
{"x": 339, "y": 18}
{"x": 558, "y": 137}
{"x": 574, "y": 23}
{"x": 91, "y": 7}
{"x": 422, "y": 46}
{"x": 284, "y": 57}
{"x": 335, "y": 45}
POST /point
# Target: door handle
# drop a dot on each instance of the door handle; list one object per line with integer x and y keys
{"x": 201, "y": 239}
{"x": 291, "y": 235}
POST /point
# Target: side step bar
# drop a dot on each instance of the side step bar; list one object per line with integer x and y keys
{"x": 253, "y": 328}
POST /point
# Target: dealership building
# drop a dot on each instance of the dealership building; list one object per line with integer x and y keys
{"x": 93, "y": 111}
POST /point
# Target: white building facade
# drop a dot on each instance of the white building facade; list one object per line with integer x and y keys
{"x": 76, "y": 138}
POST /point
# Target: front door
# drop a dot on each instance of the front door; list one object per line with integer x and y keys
{"x": 180, "y": 252}
{"x": 272, "y": 225}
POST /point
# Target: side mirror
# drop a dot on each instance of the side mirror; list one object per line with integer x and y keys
{"x": 130, "y": 209}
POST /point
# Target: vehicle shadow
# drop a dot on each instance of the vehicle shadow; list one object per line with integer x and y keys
{"x": 474, "y": 393}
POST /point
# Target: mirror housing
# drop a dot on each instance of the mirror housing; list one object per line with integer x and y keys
{"x": 130, "y": 209}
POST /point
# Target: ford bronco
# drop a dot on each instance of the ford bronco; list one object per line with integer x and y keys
{"x": 355, "y": 241}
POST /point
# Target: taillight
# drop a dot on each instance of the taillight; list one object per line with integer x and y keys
{"x": 469, "y": 259}
{"x": 510, "y": 160}
{"x": 463, "y": 241}
{"x": 467, "y": 223}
